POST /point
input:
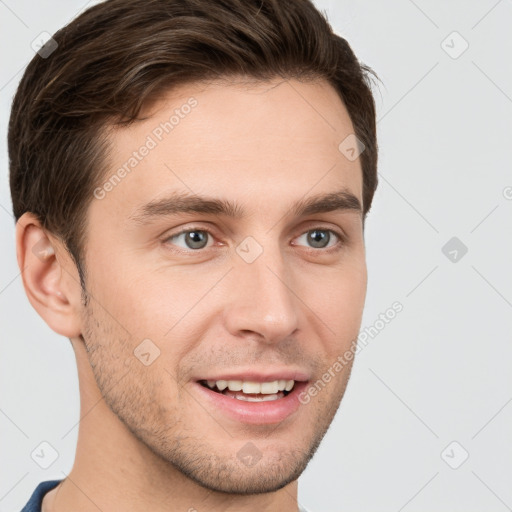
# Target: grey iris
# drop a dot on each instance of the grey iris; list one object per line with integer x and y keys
{"x": 196, "y": 239}
{"x": 317, "y": 236}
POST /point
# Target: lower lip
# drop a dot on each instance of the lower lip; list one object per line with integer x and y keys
{"x": 256, "y": 413}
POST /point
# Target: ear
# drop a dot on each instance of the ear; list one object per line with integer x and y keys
{"x": 49, "y": 275}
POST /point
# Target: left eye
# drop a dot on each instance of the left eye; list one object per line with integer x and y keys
{"x": 320, "y": 238}
{"x": 198, "y": 238}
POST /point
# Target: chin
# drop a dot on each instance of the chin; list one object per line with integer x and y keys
{"x": 249, "y": 480}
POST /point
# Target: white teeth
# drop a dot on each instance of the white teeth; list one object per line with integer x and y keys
{"x": 267, "y": 398}
{"x": 251, "y": 387}
{"x": 266, "y": 388}
{"x": 222, "y": 384}
{"x": 235, "y": 385}
{"x": 269, "y": 387}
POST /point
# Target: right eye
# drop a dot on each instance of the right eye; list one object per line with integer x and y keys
{"x": 194, "y": 239}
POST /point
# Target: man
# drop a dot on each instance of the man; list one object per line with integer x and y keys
{"x": 190, "y": 180}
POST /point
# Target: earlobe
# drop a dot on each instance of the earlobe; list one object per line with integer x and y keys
{"x": 47, "y": 274}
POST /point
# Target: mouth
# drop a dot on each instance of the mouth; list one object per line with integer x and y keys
{"x": 250, "y": 401}
{"x": 251, "y": 391}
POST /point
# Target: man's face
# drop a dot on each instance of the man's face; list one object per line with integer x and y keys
{"x": 264, "y": 293}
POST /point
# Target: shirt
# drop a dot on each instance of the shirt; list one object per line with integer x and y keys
{"x": 35, "y": 501}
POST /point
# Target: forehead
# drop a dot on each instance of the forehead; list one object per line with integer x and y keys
{"x": 261, "y": 141}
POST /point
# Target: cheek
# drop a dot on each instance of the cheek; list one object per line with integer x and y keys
{"x": 167, "y": 306}
{"x": 337, "y": 296}
{"x": 138, "y": 298}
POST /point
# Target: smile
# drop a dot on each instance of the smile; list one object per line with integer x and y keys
{"x": 251, "y": 391}
{"x": 252, "y": 402}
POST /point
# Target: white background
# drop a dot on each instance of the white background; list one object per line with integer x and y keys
{"x": 441, "y": 371}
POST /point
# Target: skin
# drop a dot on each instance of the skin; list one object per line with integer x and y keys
{"x": 146, "y": 439}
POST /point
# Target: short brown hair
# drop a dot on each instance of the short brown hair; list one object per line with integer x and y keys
{"x": 119, "y": 55}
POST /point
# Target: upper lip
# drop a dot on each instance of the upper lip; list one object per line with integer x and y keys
{"x": 255, "y": 376}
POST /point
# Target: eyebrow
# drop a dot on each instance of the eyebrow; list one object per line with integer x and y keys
{"x": 177, "y": 203}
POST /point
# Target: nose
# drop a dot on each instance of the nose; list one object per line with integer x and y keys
{"x": 262, "y": 303}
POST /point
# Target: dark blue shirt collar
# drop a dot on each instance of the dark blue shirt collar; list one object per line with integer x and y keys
{"x": 34, "y": 503}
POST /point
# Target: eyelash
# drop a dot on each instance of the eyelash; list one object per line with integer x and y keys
{"x": 341, "y": 239}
